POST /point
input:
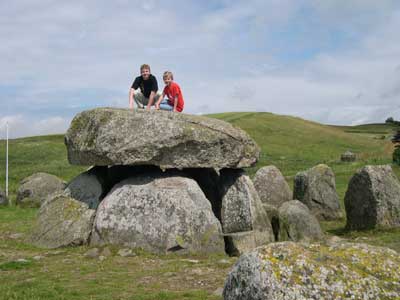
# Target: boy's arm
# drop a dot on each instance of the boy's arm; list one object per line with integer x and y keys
{"x": 131, "y": 95}
{"x": 151, "y": 100}
{"x": 175, "y": 103}
{"x": 157, "y": 105}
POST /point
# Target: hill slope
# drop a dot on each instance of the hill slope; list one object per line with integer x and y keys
{"x": 290, "y": 143}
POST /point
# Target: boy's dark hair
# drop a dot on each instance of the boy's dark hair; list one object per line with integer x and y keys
{"x": 144, "y": 66}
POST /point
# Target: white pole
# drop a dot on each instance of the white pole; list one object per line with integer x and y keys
{"x": 7, "y": 161}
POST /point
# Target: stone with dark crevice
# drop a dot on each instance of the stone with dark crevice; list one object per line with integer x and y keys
{"x": 160, "y": 212}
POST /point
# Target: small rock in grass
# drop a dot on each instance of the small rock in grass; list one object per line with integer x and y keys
{"x": 106, "y": 252}
{"x": 16, "y": 236}
{"x": 224, "y": 261}
{"x": 126, "y": 252}
{"x": 37, "y": 257}
{"x": 193, "y": 261}
{"x": 92, "y": 253}
{"x": 218, "y": 291}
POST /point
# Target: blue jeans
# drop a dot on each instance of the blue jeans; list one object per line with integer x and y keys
{"x": 164, "y": 105}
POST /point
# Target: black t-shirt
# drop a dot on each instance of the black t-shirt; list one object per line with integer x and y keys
{"x": 146, "y": 86}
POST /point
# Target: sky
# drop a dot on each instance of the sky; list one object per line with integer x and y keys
{"x": 330, "y": 61}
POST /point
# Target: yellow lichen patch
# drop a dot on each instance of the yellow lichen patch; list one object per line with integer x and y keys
{"x": 343, "y": 270}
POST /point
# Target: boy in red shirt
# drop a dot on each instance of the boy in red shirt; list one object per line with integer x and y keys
{"x": 174, "y": 101}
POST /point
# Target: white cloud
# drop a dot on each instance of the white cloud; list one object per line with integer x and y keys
{"x": 330, "y": 61}
{"x": 20, "y": 126}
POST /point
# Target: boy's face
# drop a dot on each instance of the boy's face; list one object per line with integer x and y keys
{"x": 145, "y": 73}
{"x": 167, "y": 80}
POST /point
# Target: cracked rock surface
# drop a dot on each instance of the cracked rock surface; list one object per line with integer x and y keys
{"x": 159, "y": 213}
{"x": 111, "y": 136}
{"x": 316, "y": 188}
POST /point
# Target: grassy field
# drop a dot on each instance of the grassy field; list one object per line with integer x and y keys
{"x": 292, "y": 144}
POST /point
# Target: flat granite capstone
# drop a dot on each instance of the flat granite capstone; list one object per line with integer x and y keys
{"x": 114, "y": 136}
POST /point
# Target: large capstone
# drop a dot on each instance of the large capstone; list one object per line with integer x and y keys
{"x": 316, "y": 188}
{"x": 373, "y": 198}
{"x": 62, "y": 221}
{"x": 111, "y": 136}
{"x": 241, "y": 208}
{"x": 297, "y": 223}
{"x": 35, "y": 189}
{"x": 294, "y": 271}
{"x": 272, "y": 186}
{"x": 159, "y": 213}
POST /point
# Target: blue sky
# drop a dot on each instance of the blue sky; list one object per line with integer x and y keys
{"x": 332, "y": 61}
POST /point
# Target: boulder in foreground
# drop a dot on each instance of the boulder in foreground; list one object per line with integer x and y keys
{"x": 111, "y": 136}
{"x": 373, "y": 199}
{"x": 294, "y": 271}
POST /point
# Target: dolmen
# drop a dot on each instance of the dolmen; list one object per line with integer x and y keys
{"x": 156, "y": 180}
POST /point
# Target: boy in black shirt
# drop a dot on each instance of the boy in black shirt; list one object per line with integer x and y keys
{"x": 148, "y": 89}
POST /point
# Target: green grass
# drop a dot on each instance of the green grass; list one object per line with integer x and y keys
{"x": 292, "y": 144}
{"x": 35, "y": 154}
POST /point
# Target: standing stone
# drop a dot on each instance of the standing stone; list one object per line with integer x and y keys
{"x": 89, "y": 187}
{"x": 373, "y": 198}
{"x": 316, "y": 188}
{"x": 293, "y": 271}
{"x": 3, "y": 199}
{"x": 35, "y": 189}
{"x": 241, "y": 207}
{"x": 296, "y": 223}
{"x": 159, "y": 213}
{"x": 272, "y": 186}
{"x": 242, "y": 211}
{"x": 111, "y": 136}
{"x": 62, "y": 221}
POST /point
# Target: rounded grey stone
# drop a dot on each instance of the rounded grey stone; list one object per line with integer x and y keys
{"x": 297, "y": 223}
{"x": 293, "y": 271}
{"x": 35, "y": 189}
{"x": 89, "y": 187}
{"x": 158, "y": 213}
{"x": 62, "y": 221}
{"x": 316, "y": 188}
{"x": 272, "y": 186}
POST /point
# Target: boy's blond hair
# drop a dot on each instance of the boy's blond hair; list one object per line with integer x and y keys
{"x": 168, "y": 74}
{"x": 144, "y": 66}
